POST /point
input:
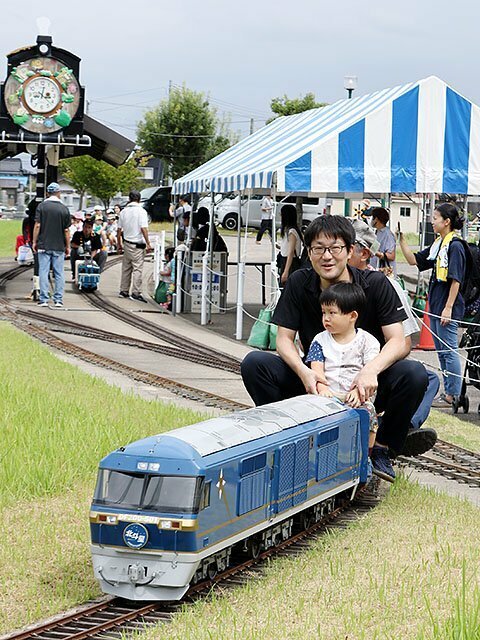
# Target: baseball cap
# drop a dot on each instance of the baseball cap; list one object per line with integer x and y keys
{"x": 78, "y": 215}
{"x": 97, "y": 207}
{"x": 53, "y": 187}
{"x": 365, "y": 236}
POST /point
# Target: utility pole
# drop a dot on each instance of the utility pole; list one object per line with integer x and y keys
{"x": 251, "y": 125}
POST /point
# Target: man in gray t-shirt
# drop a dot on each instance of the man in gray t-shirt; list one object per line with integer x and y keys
{"x": 51, "y": 240}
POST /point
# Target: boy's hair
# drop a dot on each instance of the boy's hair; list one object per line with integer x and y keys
{"x": 336, "y": 227}
{"x": 346, "y": 295}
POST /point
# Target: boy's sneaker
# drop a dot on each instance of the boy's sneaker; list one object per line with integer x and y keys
{"x": 43, "y": 304}
{"x": 58, "y": 305}
{"x": 138, "y": 297}
{"x": 123, "y": 294}
{"x": 382, "y": 466}
{"x": 418, "y": 441}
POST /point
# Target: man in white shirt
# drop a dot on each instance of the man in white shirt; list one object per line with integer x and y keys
{"x": 266, "y": 221}
{"x": 132, "y": 239}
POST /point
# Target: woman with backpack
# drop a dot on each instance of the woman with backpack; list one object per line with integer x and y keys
{"x": 291, "y": 239}
{"x": 447, "y": 257}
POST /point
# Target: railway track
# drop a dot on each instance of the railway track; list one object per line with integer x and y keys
{"x": 450, "y": 461}
{"x": 113, "y": 617}
{"x": 75, "y": 328}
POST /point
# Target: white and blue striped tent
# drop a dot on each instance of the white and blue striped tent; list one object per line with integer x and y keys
{"x": 421, "y": 137}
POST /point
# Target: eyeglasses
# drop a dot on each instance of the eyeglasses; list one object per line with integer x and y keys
{"x": 334, "y": 250}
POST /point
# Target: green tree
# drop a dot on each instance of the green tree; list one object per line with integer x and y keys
{"x": 286, "y": 106}
{"x": 102, "y": 180}
{"x": 184, "y": 131}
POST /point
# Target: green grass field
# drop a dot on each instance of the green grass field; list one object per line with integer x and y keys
{"x": 9, "y": 230}
{"x": 409, "y": 570}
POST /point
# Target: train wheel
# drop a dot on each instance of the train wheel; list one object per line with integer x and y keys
{"x": 254, "y": 548}
{"x": 212, "y": 570}
{"x": 466, "y": 404}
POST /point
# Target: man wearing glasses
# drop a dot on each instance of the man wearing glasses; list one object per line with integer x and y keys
{"x": 400, "y": 384}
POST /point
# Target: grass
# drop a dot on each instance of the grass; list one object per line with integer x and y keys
{"x": 464, "y": 434}
{"x": 9, "y": 230}
{"x": 58, "y": 422}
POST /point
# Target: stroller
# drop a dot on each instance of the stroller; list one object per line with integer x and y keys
{"x": 471, "y": 375}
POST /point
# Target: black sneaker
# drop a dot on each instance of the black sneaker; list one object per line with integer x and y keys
{"x": 418, "y": 441}
{"x": 138, "y": 297}
{"x": 382, "y": 466}
{"x": 123, "y": 294}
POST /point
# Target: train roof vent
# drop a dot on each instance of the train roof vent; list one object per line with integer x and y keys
{"x": 238, "y": 428}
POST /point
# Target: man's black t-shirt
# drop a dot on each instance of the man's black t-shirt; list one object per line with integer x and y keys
{"x": 80, "y": 239}
{"x": 54, "y": 219}
{"x": 299, "y": 307}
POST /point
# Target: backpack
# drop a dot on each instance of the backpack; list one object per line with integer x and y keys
{"x": 470, "y": 287}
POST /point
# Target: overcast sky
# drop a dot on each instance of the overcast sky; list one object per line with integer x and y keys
{"x": 245, "y": 53}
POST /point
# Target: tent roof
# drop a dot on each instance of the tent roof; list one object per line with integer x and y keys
{"x": 420, "y": 137}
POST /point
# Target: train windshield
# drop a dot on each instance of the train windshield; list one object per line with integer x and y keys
{"x": 172, "y": 494}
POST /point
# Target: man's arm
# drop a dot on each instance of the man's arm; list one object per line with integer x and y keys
{"x": 394, "y": 349}
{"x": 289, "y": 353}
{"x": 144, "y": 231}
{"x": 67, "y": 242}
{"x": 36, "y": 231}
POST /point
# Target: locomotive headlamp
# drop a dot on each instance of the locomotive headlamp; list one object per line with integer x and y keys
{"x": 166, "y": 524}
{"x": 112, "y": 519}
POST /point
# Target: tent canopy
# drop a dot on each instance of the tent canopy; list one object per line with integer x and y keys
{"x": 421, "y": 137}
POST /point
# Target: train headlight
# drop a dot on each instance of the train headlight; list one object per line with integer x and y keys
{"x": 112, "y": 519}
{"x": 165, "y": 524}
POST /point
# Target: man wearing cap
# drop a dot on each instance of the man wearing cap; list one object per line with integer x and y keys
{"x": 365, "y": 247}
{"x": 51, "y": 241}
{"x": 132, "y": 239}
{"x": 385, "y": 254}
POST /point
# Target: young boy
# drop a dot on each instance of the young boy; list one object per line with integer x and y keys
{"x": 341, "y": 351}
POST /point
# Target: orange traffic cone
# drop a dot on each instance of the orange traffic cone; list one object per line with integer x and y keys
{"x": 426, "y": 338}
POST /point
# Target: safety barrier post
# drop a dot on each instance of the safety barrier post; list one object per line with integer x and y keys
{"x": 240, "y": 282}
{"x": 205, "y": 282}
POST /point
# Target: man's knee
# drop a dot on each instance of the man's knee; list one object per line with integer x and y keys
{"x": 253, "y": 363}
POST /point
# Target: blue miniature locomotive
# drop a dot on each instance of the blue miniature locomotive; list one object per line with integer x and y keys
{"x": 168, "y": 510}
{"x": 87, "y": 274}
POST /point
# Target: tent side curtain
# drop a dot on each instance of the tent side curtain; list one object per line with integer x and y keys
{"x": 422, "y": 137}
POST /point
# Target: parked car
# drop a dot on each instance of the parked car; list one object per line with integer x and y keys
{"x": 226, "y": 213}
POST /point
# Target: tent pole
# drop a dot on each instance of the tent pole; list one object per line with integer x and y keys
{"x": 240, "y": 273}
{"x": 210, "y": 255}
{"x": 273, "y": 279}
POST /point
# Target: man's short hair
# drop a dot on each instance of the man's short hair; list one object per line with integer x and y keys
{"x": 381, "y": 214}
{"x": 134, "y": 196}
{"x": 333, "y": 227}
{"x": 348, "y": 296}
{"x": 88, "y": 221}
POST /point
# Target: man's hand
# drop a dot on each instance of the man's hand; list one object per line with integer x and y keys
{"x": 149, "y": 248}
{"x": 353, "y": 399}
{"x": 67, "y": 252}
{"x": 120, "y": 248}
{"x": 446, "y": 317}
{"x": 34, "y": 247}
{"x": 310, "y": 379}
{"x": 366, "y": 382}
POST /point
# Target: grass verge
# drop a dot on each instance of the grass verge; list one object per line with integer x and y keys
{"x": 9, "y": 230}
{"x": 452, "y": 429}
{"x": 58, "y": 422}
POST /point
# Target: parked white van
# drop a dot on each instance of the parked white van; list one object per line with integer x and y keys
{"x": 226, "y": 212}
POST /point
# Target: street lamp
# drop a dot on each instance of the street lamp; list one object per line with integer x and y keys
{"x": 350, "y": 84}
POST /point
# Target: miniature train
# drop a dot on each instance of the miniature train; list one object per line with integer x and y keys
{"x": 169, "y": 510}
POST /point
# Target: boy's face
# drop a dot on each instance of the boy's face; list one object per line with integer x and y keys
{"x": 334, "y": 321}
